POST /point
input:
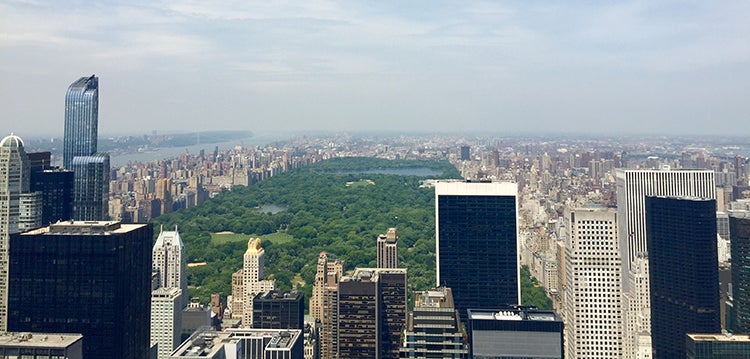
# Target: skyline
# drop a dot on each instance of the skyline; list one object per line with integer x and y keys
{"x": 506, "y": 67}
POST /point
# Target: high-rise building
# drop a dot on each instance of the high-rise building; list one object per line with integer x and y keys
{"x": 238, "y": 294}
{"x": 593, "y": 299}
{"x": 632, "y": 188}
{"x": 166, "y": 319}
{"x": 739, "y": 229}
{"x": 371, "y": 313}
{"x": 41, "y": 345}
{"x": 19, "y": 209}
{"x": 91, "y": 187}
{"x": 718, "y": 346}
{"x": 515, "y": 333}
{"x": 684, "y": 271}
{"x": 252, "y": 275}
{"x": 56, "y": 186}
{"x": 388, "y": 249}
{"x": 169, "y": 262}
{"x": 477, "y": 243}
{"x": 277, "y": 309}
{"x": 92, "y": 278}
{"x": 81, "y": 119}
{"x": 324, "y": 303}
{"x": 434, "y": 329}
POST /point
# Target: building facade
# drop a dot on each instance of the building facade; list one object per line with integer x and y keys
{"x": 593, "y": 300}
{"x": 388, "y": 249}
{"x": 166, "y": 319}
{"x": 739, "y": 224}
{"x": 91, "y": 187}
{"x": 56, "y": 186}
{"x": 477, "y": 243}
{"x": 718, "y": 346}
{"x": 684, "y": 271}
{"x": 17, "y": 211}
{"x": 169, "y": 262}
{"x": 434, "y": 328}
{"x": 253, "y": 282}
{"x": 277, "y": 309}
{"x": 515, "y": 333}
{"x": 91, "y": 278}
{"x": 81, "y": 119}
{"x": 246, "y": 343}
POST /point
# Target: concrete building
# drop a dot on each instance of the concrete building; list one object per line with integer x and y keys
{"x": 92, "y": 278}
{"x": 324, "y": 303}
{"x": 477, "y": 245}
{"x": 17, "y": 211}
{"x": 242, "y": 344}
{"x": 170, "y": 262}
{"x": 434, "y": 328}
{"x": 252, "y": 276}
{"x": 593, "y": 300}
{"x": 166, "y": 319}
{"x": 515, "y": 333}
{"x": 237, "y": 300}
{"x": 41, "y": 345}
{"x": 684, "y": 271}
{"x": 388, "y": 249}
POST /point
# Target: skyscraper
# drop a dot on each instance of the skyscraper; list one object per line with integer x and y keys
{"x": 166, "y": 319}
{"x": 92, "y": 278}
{"x": 324, "y": 303}
{"x": 516, "y": 333}
{"x": 388, "y": 249}
{"x": 81, "y": 119}
{"x": 684, "y": 271}
{"x": 169, "y": 261}
{"x": 277, "y": 309}
{"x": 91, "y": 187}
{"x": 15, "y": 199}
{"x": 434, "y": 328}
{"x": 477, "y": 243}
{"x": 593, "y": 300}
{"x": 371, "y": 313}
{"x": 739, "y": 229}
{"x": 253, "y": 274}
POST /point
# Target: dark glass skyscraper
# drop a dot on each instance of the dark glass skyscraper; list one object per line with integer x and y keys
{"x": 277, "y": 309}
{"x": 81, "y": 119}
{"x": 739, "y": 229}
{"x": 92, "y": 278}
{"x": 91, "y": 194}
{"x": 684, "y": 271}
{"x": 477, "y": 243}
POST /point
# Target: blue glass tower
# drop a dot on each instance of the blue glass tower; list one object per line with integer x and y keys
{"x": 477, "y": 243}
{"x": 684, "y": 271}
{"x": 81, "y": 119}
{"x": 91, "y": 187}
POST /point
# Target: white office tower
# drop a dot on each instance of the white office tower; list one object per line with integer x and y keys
{"x": 632, "y": 188}
{"x": 253, "y": 274}
{"x": 593, "y": 306}
{"x": 166, "y": 320}
{"x": 18, "y": 208}
{"x": 169, "y": 261}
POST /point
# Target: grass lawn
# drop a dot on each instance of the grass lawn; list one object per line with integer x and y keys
{"x": 224, "y": 237}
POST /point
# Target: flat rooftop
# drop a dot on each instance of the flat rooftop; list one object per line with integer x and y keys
{"x": 720, "y": 337}
{"x": 87, "y": 227}
{"x": 38, "y": 340}
{"x": 514, "y": 314}
{"x": 207, "y": 343}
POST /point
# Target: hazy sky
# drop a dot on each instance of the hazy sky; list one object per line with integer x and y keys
{"x": 496, "y": 66}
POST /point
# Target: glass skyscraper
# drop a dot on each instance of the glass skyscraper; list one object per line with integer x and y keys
{"x": 684, "y": 271}
{"x": 739, "y": 229}
{"x": 91, "y": 187}
{"x": 81, "y": 119}
{"x": 477, "y": 243}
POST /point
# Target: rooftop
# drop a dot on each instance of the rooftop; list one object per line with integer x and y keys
{"x": 728, "y": 337}
{"x": 39, "y": 340}
{"x": 514, "y": 313}
{"x": 86, "y": 227}
{"x": 207, "y": 343}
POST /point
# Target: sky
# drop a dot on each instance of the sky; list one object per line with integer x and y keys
{"x": 609, "y": 67}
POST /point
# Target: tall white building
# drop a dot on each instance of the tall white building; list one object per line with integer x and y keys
{"x": 19, "y": 209}
{"x": 632, "y": 188}
{"x": 169, "y": 261}
{"x": 593, "y": 298}
{"x": 388, "y": 249}
{"x": 166, "y": 319}
{"x": 253, "y": 274}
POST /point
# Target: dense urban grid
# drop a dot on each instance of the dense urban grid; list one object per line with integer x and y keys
{"x": 639, "y": 244}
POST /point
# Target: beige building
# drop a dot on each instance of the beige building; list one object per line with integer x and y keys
{"x": 388, "y": 249}
{"x": 593, "y": 300}
{"x": 166, "y": 319}
{"x": 324, "y": 303}
{"x": 253, "y": 279}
